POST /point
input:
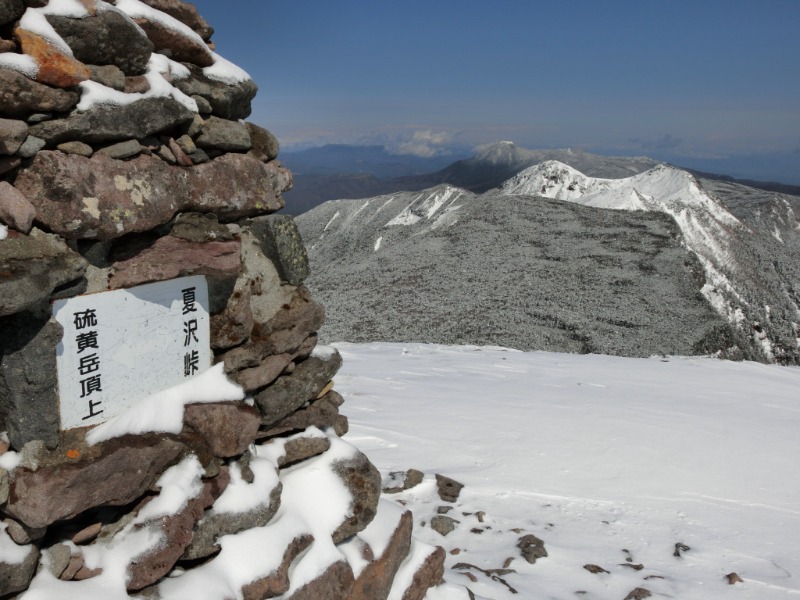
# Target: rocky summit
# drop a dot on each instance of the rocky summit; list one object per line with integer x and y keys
{"x": 125, "y": 166}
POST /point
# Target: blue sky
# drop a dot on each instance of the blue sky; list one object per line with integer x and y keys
{"x": 699, "y": 79}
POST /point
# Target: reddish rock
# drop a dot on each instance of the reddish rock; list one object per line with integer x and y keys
{"x": 264, "y": 144}
{"x": 264, "y": 374}
{"x": 448, "y": 489}
{"x": 375, "y": 581}
{"x": 363, "y": 481}
{"x": 321, "y": 413}
{"x": 15, "y": 210}
{"x": 103, "y": 198}
{"x": 186, "y": 13}
{"x": 178, "y": 46}
{"x": 228, "y": 427}
{"x": 12, "y": 135}
{"x": 111, "y": 474}
{"x": 429, "y": 574}
{"x": 335, "y": 583}
{"x": 301, "y": 447}
{"x": 7, "y": 163}
{"x": 232, "y": 326}
{"x": 277, "y": 583}
{"x": 55, "y": 67}
{"x": 170, "y": 257}
{"x": 21, "y": 96}
{"x": 180, "y": 156}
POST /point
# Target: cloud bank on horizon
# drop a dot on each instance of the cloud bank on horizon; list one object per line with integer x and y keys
{"x": 704, "y": 80}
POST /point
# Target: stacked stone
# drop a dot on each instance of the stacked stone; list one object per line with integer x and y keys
{"x": 124, "y": 160}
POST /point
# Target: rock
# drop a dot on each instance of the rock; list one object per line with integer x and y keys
{"x": 165, "y": 154}
{"x": 321, "y": 413}
{"x": 32, "y": 267}
{"x": 104, "y": 123}
{"x": 31, "y": 146}
{"x": 39, "y": 118}
{"x": 301, "y": 447}
{"x": 335, "y": 583}
{"x": 28, "y": 379}
{"x": 225, "y": 135}
{"x": 216, "y": 524}
{"x": 87, "y": 534}
{"x": 264, "y": 145}
{"x": 199, "y": 156}
{"x": 399, "y": 481}
{"x": 638, "y": 594}
{"x": 116, "y": 472}
{"x": 290, "y": 392}
{"x": 532, "y": 548}
{"x": 55, "y": 68}
{"x": 101, "y": 198}
{"x": 228, "y": 427}
{"x": 107, "y": 37}
{"x": 121, "y": 150}
{"x": 233, "y": 325}
{"x": 170, "y": 257}
{"x": 12, "y": 135}
{"x": 277, "y": 583}
{"x": 280, "y": 241}
{"x": 10, "y": 10}
{"x": 78, "y": 148}
{"x": 200, "y": 227}
{"x": 21, "y": 534}
{"x": 58, "y": 558}
{"x": 186, "y": 144}
{"x": 443, "y": 524}
{"x": 136, "y": 84}
{"x": 264, "y": 374}
{"x": 203, "y": 105}
{"x": 108, "y": 75}
{"x": 427, "y": 574}
{"x": 363, "y": 481}
{"x": 733, "y": 578}
{"x": 15, "y": 210}
{"x": 375, "y": 581}
{"x": 180, "y": 156}
{"x": 5, "y": 484}
{"x": 595, "y": 569}
{"x": 21, "y": 96}
{"x": 186, "y": 13}
{"x": 227, "y": 101}
{"x": 448, "y": 489}
{"x": 8, "y": 163}
{"x": 7, "y": 45}
{"x": 175, "y": 44}
{"x": 16, "y": 577}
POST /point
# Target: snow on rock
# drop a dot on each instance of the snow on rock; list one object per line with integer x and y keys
{"x": 426, "y": 205}
{"x": 3, "y": 232}
{"x": 241, "y": 496}
{"x": 11, "y": 553}
{"x": 163, "y": 411}
{"x": 225, "y": 71}
{"x": 178, "y": 485}
{"x": 19, "y": 62}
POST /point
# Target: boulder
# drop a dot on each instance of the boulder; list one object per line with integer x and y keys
{"x": 224, "y": 135}
{"x": 29, "y": 408}
{"x": 335, "y": 583}
{"x": 102, "y": 198}
{"x": 277, "y": 582}
{"x": 427, "y": 573}
{"x": 227, "y": 427}
{"x": 114, "y": 473}
{"x": 55, "y": 68}
{"x": 16, "y": 576}
{"x": 10, "y": 11}
{"x": 280, "y": 241}
{"x": 448, "y": 489}
{"x": 21, "y": 96}
{"x": 12, "y": 135}
{"x": 171, "y": 257}
{"x": 364, "y": 482}
{"x": 15, "y": 210}
{"x": 264, "y": 145}
{"x": 186, "y": 13}
{"x": 176, "y": 44}
{"x": 290, "y": 392}
{"x": 109, "y": 123}
{"x": 107, "y": 37}
{"x": 228, "y": 101}
{"x": 32, "y": 268}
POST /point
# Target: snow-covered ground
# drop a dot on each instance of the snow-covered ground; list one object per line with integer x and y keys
{"x": 611, "y": 461}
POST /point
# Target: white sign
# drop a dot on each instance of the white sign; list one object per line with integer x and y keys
{"x": 119, "y": 347}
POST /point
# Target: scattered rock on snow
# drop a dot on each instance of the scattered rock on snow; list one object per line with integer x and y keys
{"x": 449, "y": 489}
{"x": 532, "y": 548}
{"x": 733, "y": 578}
{"x": 443, "y": 524}
{"x": 638, "y": 594}
{"x": 594, "y": 568}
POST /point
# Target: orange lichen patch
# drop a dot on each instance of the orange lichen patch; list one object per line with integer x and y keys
{"x": 55, "y": 67}
{"x": 73, "y": 454}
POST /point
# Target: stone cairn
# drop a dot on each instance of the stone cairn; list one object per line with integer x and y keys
{"x": 125, "y": 160}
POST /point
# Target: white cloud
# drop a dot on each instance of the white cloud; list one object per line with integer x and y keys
{"x": 425, "y": 143}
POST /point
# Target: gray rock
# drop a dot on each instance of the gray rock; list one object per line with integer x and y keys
{"x": 227, "y": 101}
{"x": 5, "y": 482}
{"x": 31, "y": 146}
{"x": 112, "y": 123}
{"x": 17, "y": 577}
{"x": 186, "y": 144}
{"x": 363, "y": 481}
{"x": 448, "y": 489}
{"x": 264, "y": 145}
{"x": 10, "y": 10}
{"x": 12, "y": 135}
{"x": 281, "y": 242}
{"x": 174, "y": 44}
{"x": 15, "y": 210}
{"x": 203, "y": 105}
{"x": 443, "y": 524}
{"x": 29, "y": 408}
{"x": 107, "y": 75}
{"x": 38, "y": 118}
{"x": 322, "y": 413}
{"x": 21, "y": 534}
{"x": 122, "y": 150}
{"x": 199, "y": 156}
{"x": 186, "y": 13}
{"x": 59, "y": 557}
{"x": 225, "y": 135}
{"x": 290, "y": 392}
{"x": 21, "y": 96}
{"x": 106, "y": 38}
{"x": 78, "y": 148}
{"x": 32, "y": 267}
{"x": 8, "y": 163}
{"x": 399, "y": 481}
{"x": 532, "y": 548}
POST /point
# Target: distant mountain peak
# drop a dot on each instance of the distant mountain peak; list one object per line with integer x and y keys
{"x": 504, "y": 153}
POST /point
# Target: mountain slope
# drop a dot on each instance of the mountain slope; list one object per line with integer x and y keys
{"x": 445, "y": 265}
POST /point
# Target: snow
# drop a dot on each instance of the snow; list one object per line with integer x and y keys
{"x": 139, "y": 10}
{"x": 323, "y": 352}
{"x": 10, "y": 552}
{"x": 426, "y": 205}
{"x": 593, "y": 454}
{"x": 225, "y": 71}
{"x": 3, "y": 232}
{"x": 21, "y": 63}
{"x": 163, "y": 411}
{"x": 241, "y": 496}
{"x": 417, "y": 555}
{"x": 178, "y": 484}
{"x": 378, "y": 243}
{"x": 34, "y": 21}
